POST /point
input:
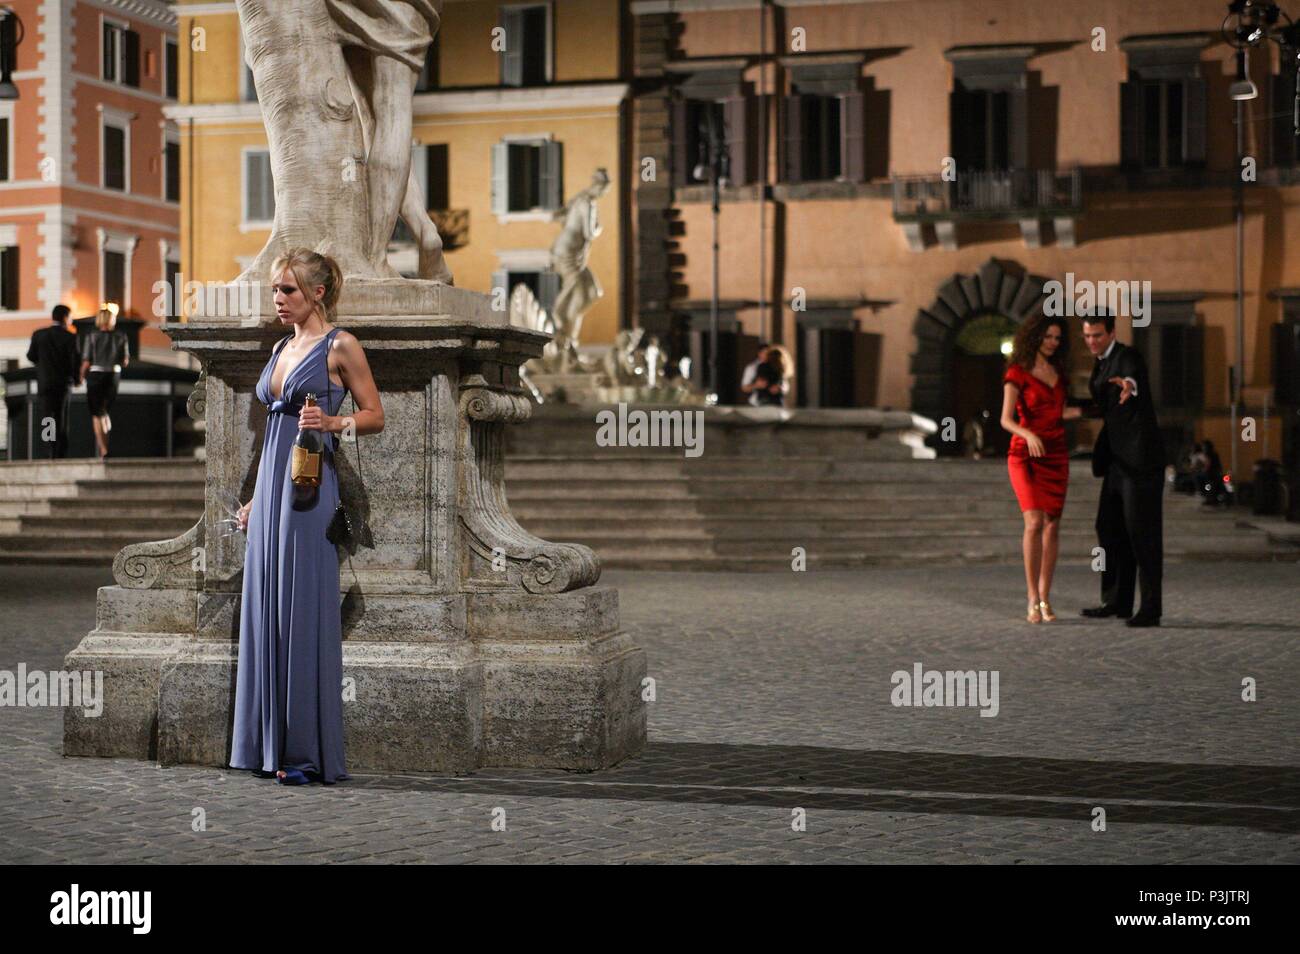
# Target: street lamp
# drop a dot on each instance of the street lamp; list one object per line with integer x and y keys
{"x": 11, "y": 34}
{"x": 1248, "y": 24}
{"x": 715, "y": 163}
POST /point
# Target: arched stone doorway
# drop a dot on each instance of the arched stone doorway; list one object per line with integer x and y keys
{"x": 955, "y": 376}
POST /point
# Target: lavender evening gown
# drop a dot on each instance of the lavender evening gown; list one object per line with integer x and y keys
{"x": 288, "y": 690}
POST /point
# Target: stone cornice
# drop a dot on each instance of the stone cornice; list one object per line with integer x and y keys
{"x": 150, "y": 11}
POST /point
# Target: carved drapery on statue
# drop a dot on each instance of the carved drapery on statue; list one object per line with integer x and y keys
{"x": 402, "y": 29}
{"x": 335, "y": 81}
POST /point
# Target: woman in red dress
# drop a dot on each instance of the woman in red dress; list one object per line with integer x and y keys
{"x": 1033, "y": 409}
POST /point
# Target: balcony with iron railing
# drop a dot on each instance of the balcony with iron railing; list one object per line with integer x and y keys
{"x": 1021, "y": 195}
{"x": 1008, "y": 194}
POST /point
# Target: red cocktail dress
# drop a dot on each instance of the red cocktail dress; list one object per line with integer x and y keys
{"x": 1039, "y": 482}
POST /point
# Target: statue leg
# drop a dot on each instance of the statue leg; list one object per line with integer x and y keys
{"x": 433, "y": 265}
{"x": 313, "y": 133}
{"x": 388, "y": 163}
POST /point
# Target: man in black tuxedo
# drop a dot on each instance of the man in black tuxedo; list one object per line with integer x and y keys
{"x": 54, "y": 352}
{"x": 1129, "y": 456}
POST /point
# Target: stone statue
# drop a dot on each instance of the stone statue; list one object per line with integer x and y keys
{"x": 473, "y": 642}
{"x": 527, "y": 312}
{"x": 579, "y": 288}
{"x": 335, "y": 79}
{"x": 636, "y": 368}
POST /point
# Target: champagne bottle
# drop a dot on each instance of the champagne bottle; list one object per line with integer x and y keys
{"x": 305, "y": 467}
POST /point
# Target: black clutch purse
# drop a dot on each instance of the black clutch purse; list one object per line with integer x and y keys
{"x": 345, "y": 527}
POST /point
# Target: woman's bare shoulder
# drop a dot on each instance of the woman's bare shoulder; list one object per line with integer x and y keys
{"x": 345, "y": 342}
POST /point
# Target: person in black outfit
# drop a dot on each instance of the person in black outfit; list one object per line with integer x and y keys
{"x": 1129, "y": 457}
{"x": 104, "y": 353}
{"x": 54, "y": 352}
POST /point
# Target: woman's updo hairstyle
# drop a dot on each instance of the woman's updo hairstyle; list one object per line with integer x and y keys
{"x": 312, "y": 269}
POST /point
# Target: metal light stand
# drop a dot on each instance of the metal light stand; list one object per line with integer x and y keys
{"x": 1248, "y": 24}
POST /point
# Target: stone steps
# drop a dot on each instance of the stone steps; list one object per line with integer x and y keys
{"x": 83, "y": 512}
{"x": 102, "y": 542}
{"x": 582, "y": 487}
{"x": 682, "y": 544}
{"x": 727, "y": 514}
{"x": 803, "y": 527}
{"x": 157, "y": 526}
{"x": 531, "y": 467}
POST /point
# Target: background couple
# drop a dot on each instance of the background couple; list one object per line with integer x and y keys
{"x": 766, "y": 380}
{"x": 1128, "y": 456}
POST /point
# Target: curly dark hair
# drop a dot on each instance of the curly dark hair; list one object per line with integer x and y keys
{"x": 1029, "y": 337}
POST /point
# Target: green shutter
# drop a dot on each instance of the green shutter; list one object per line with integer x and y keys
{"x": 1130, "y": 124}
{"x": 792, "y": 141}
{"x": 1194, "y": 121}
{"x": 512, "y": 59}
{"x": 500, "y": 178}
{"x": 551, "y": 188}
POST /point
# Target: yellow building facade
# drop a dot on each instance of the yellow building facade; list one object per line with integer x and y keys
{"x": 519, "y": 104}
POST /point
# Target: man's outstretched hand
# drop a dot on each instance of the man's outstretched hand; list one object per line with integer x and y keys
{"x": 1125, "y": 385}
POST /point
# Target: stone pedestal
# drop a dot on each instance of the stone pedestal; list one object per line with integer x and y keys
{"x": 467, "y": 641}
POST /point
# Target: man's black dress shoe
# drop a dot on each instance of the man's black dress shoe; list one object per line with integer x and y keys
{"x": 1144, "y": 619}
{"x": 1099, "y": 612}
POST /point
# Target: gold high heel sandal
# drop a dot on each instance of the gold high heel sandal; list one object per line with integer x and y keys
{"x": 1048, "y": 615}
{"x": 1034, "y": 616}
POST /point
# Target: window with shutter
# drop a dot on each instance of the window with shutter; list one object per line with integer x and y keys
{"x": 9, "y": 278}
{"x": 114, "y": 157}
{"x": 172, "y": 171}
{"x": 981, "y": 129}
{"x": 525, "y": 59}
{"x": 681, "y": 151}
{"x": 114, "y": 265}
{"x": 1174, "y": 348}
{"x": 111, "y": 54}
{"x": 437, "y": 176}
{"x": 550, "y": 175}
{"x": 527, "y": 176}
{"x": 822, "y": 138}
{"x": 701, "y": 116}
{"x": 259, "y": 187}
{"x": 792, "y": 141}
{"x": 171, "y": 275}
{"x": 420, "y": 166}
{"x": 524, "y": 172}
{"x": 512, "y": 57}
{"x": 853, "y": 159}
{"x": 737, "y": 113}
{"x": 171, "y": 65}
{"x": 131, "y": 58}
{"x": 4, "y": 148}
{"x": 1193, "y": 122}
{"x": 1130, "y": 112}
{"x": 500, "y": 178}
{"x": 1164, "y": 123}
{"x": 1163, "y": 103}
{"x": 1017, "y": 134}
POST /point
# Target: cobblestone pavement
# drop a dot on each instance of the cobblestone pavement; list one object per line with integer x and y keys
{"x": 773, "y": 694}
